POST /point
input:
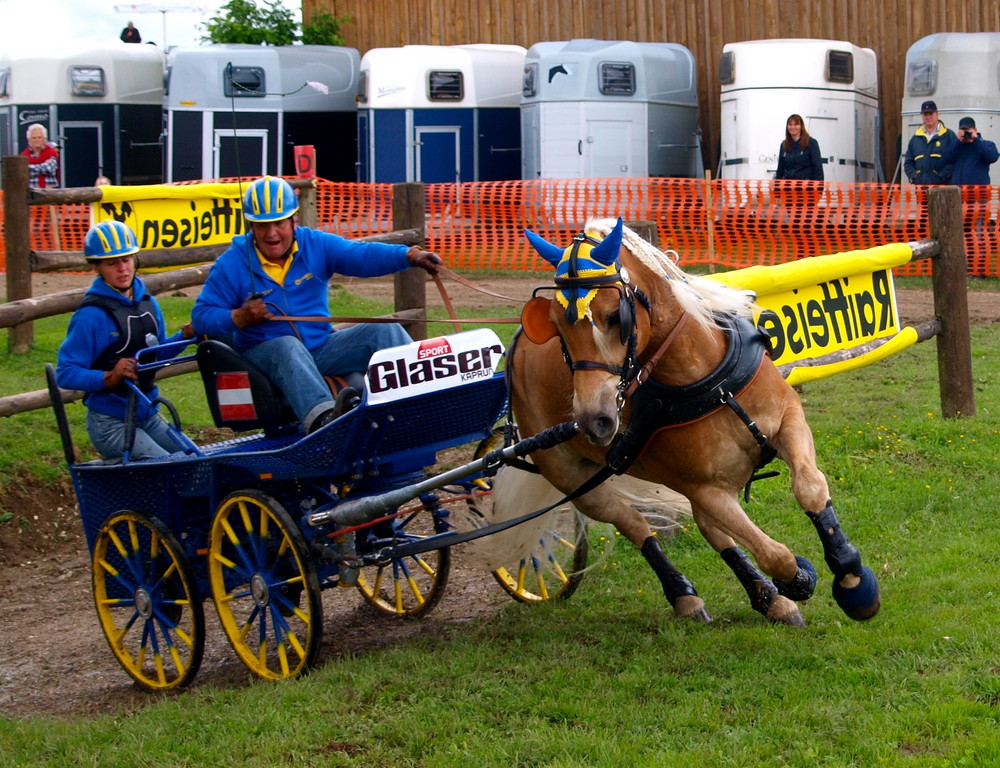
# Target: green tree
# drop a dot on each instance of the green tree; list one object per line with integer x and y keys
{"x": 324, "y": 29}
{"x": 242, "y": 21}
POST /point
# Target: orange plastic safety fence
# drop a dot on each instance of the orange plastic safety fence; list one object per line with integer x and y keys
{"x": 726, "y": 223}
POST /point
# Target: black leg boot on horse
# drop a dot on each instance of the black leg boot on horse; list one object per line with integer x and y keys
{"x": 855, "y": 587}
{"x": 768, "y": 599}
{"x": 679, "y": 591}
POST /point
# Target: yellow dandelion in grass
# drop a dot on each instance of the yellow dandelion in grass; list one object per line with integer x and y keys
{"x": 927, "y": 487}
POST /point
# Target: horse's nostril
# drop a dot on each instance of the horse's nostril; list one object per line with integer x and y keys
{"x": 601, "y": 429}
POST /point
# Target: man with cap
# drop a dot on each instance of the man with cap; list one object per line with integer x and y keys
{"x": 924, "y": 160}
{"x": 281, "y": 269}
{"x": 116, "y": 320}
{"x": 971, "y": 156}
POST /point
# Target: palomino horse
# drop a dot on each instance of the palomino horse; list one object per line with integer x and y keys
{"x": 668, "y": 379}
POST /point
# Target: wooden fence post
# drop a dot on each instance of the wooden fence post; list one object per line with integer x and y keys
{"x": 17, "y": 232}
{"x": 308, "y": 215}
{"x": 411, "y": 285}
{"x": 951, "y": 304}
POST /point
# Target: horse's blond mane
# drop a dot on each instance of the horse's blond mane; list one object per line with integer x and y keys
{"x": 700, "y": 297}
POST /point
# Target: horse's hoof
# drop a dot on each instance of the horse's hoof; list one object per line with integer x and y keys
{"x": 862, "y": 601}
{"x": 784, "y": 611}
{"x": 691, "y": 607}
{"x": 802, "y": 585}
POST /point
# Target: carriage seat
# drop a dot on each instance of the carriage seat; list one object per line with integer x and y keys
{"x": 242, "y": 397}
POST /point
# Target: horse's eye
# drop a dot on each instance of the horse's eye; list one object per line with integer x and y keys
{"x": 614, "y": 319}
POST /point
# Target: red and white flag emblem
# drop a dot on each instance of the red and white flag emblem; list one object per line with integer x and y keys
{"x": 235, "y": 398}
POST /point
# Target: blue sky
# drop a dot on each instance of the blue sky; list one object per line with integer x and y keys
{"x": 52, "y": 25}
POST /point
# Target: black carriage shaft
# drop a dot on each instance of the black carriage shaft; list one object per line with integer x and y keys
{"x": 364, "y": 510}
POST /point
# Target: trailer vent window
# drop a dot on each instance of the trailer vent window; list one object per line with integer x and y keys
{"x": 840, "y": 66}
{"x": 617, "y": 78}
{"x": 727, "y": 68}
{"x": 87, "y": 81}
{"x": 244, "y": 82}
{"x": 921, "y": 77}
{"x": 362, "y": 97}
{"x": 529, "y": 86}
{"x": 445, "y": 86}
{"x": 4, "y": 81}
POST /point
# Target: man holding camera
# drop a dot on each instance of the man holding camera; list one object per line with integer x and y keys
{"x": 970, "y": 156}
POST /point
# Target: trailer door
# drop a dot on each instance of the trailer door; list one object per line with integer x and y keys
{"x": 437, "y": 155}
{"x": 240, "y": 153}
{"x": 561, "y": 144}
{"x": 81, "y": 156}
{"x": 607, "y": 148}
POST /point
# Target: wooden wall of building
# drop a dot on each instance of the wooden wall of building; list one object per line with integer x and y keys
{"x": 889, "y": 27}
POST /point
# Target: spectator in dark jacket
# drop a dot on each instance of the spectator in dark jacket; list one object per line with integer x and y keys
{"x": 971, "y": 155}
{"x": 924, "y": 161}
{"x": 798, "y": 155}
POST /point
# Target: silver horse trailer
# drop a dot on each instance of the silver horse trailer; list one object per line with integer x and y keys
{"x": 102, "y": 107}
{"x": 960, "y": 72}
{"x": 239, "y": 110}
{"x": 832, "y": 84}
{"x": 598, "y": 108}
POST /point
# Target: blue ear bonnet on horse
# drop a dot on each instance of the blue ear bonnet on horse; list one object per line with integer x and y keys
{"x": 581, "y": 268}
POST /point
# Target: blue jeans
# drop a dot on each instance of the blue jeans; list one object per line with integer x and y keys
{"x": 152, "y": 436}
{"x": 298, "y": 372}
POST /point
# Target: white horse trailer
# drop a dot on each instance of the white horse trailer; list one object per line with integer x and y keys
{"x": 961, "y": 73}
{"x": 239, "y": 110}
{"x": 598, "y": 108}
{"x": 102, "y": 107}
{"x": 440, "y": 113}
{"x": 832, "y": 84}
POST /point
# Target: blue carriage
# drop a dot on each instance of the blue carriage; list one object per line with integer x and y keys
{"x": 265, "y": 522}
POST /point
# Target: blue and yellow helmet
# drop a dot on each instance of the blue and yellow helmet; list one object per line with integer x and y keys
{"x": 269, "y": 199}
{"x": 109, "y": 240}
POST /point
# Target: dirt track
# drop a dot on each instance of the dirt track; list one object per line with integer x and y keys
{"x": 54, "y": 659}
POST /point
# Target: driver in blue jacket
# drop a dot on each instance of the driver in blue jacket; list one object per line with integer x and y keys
{"x": 280, "y": 268}
{"x": 116, "y": 320}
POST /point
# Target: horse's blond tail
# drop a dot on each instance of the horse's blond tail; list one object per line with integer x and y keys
{"x": 517, "y": 493}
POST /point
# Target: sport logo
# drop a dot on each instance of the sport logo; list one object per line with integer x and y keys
{"x": 433, "y": 348}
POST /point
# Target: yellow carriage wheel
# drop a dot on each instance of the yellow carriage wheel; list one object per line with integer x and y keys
{"x": 264, "y": 586}
{"x": 553, "y": 568}
{"x": 406, "y": 586}
{"x": 147, "y": 601}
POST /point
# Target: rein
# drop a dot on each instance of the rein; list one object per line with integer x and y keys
{"x": 394, "y": 318}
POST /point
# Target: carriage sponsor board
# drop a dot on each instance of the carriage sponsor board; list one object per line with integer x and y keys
{"x": 432, "y": 365}
{"x": 840, "y": 313}
{"x": 181, "y": 217}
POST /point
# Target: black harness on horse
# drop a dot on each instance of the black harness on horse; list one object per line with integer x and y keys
{"x": 657, "y": 406}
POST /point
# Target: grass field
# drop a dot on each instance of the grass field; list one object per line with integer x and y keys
{"x": 609, "y": 678}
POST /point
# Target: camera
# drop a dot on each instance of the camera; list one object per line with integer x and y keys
{"x": 968, "y": 135}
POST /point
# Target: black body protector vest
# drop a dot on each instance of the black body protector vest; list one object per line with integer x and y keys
{"x": 135, "y": 321}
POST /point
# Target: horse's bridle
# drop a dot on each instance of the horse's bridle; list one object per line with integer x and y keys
{"x": 629, "y": 295}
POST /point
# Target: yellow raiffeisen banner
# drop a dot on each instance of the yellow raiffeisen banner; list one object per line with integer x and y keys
{"x": 165, "y": 216}
{"x": 821, "y": 304}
